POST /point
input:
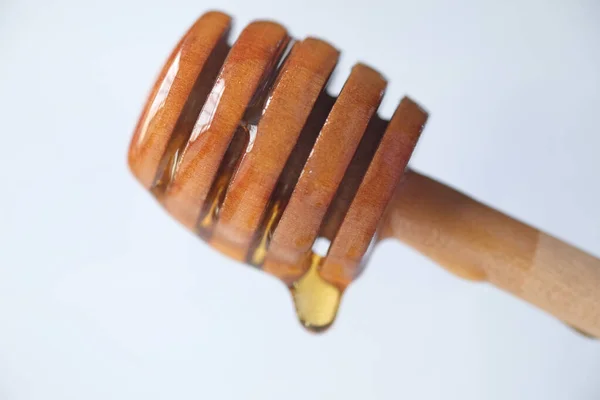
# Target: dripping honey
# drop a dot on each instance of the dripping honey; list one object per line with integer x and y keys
{"x": 316, "y": 300}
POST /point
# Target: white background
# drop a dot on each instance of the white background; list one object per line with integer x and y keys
{"x": 103, "y": 296}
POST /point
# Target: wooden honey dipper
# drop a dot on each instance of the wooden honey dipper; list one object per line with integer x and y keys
{"x": 242, "y": 145}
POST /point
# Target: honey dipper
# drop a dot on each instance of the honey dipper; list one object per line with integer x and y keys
{"x": 242, "y": 145}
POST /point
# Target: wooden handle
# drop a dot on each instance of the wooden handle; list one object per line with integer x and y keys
{"x": 476, "y": 242}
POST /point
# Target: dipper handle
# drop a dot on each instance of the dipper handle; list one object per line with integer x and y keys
{"x": 479, "y": 243}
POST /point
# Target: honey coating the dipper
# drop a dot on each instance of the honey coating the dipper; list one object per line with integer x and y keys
{"x": 242, "y": 144}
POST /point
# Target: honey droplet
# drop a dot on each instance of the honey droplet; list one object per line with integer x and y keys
{"x": 315, "y": 299}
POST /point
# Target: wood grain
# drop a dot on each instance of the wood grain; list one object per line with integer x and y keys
{"x": 478, "y": 243}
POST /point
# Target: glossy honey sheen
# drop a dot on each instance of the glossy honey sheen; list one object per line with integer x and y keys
{"x": 242, "y": 144}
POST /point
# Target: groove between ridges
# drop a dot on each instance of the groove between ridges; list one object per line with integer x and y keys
{"x": 188, "y": 117}
{"x": 242, "y": 139}
{"x": 289, "y": 177}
